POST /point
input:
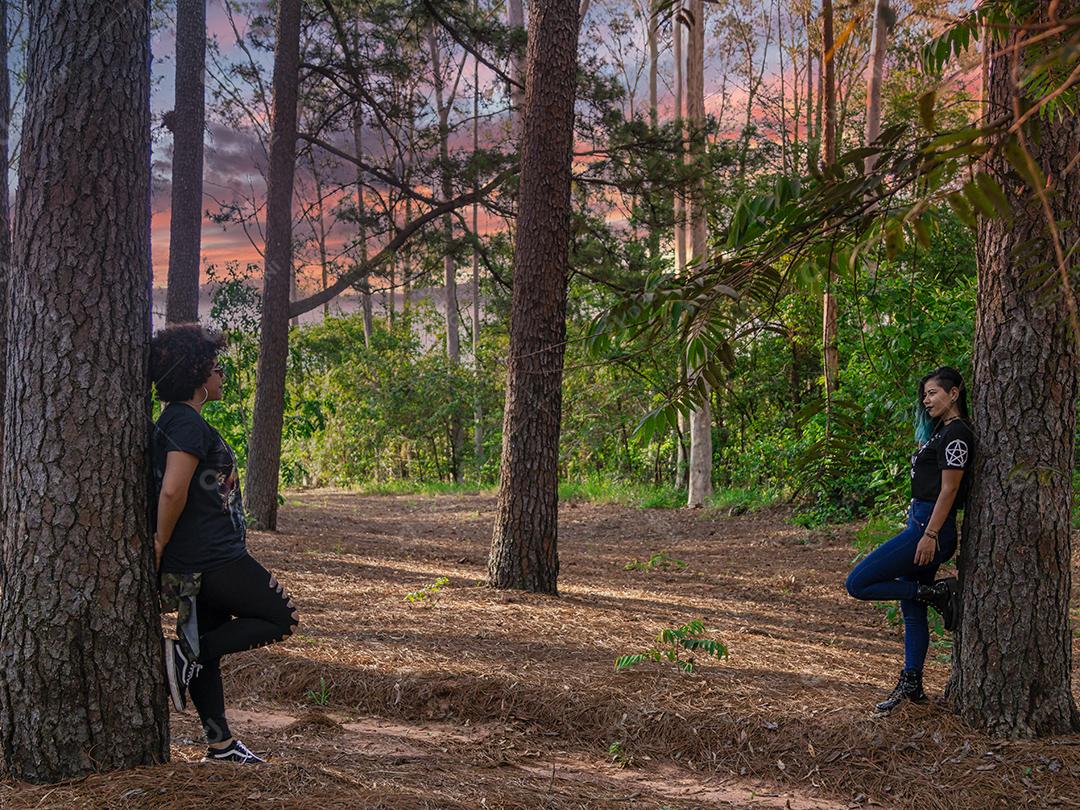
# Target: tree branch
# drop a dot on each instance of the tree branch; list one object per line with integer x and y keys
{"x": 346, "y": 280}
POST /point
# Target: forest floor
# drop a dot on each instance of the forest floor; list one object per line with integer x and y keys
{"x": 510, "y": 700}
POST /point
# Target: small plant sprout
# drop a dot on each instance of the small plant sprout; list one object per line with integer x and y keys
{"x": 619, "y": 755}
{"x": 660, "y": 561}
{"x": 429, "y": 594}
{"x": 673, "y": 644}
{"x": 321, "y": 696}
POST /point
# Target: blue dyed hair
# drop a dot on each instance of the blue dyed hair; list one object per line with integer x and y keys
{"x": 949, "y": 378}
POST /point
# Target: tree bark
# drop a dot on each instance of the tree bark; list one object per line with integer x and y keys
{"x": 1013, "y": 655}
{"x": 878, "y": 47}
{"x": 524, "y": 551}
{"x": 700, "y": 487}
{"x": 264, "y": 456}
{"x": 81, "y": 678}
{"x": 185, "y": 223}
{"x": 5, "y": 217}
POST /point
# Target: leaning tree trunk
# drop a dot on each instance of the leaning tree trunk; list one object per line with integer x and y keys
{"x": 700, "y": 486}
{"x": 264, "y": 454}
{"x": 1013, "y": 659}
{"x": 81, "y": 686}
{"x": 524, "y": 551}
{"x": 185, "y": 224}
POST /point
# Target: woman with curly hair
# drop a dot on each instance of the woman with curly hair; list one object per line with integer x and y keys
{"x": 905, "y": 567}
{"x": 234, "y": 603}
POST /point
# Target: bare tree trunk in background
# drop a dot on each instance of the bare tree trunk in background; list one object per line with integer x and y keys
{"x": 828, "y": 88}
{"x": 879, "y": 42}
{"x": 700, "y": 487}
{"x": 654, "y": 117}
{"x": 818, "y": 109}
{"x": 515, "y": 18}
{"x": 478, "y": 408}
{"x": 783, "y": 90}
{"x": 187, "y": 123}
{"x": 1012, "y": 665}
{"x": 320, "y": 234}
{"x": 677, "y": 24}
{"x": 361, "y": 211}
{"x": 81, "y": 681}
{"x": 811, "y": 149}
{"x": 453, "y": 339}
{"x": 264, "y": 449}
{"x": 828, "y": 330}
{"x": 524, "y": 544}
{"x": 654, "y": 60}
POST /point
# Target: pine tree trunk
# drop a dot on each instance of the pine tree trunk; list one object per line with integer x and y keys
{"x": 5, "y": 218}
{"x": 700, "y": 487}
{"x": 185, "y": 224}
{"x": 264, "y": 455}
{"x": 81, "y": 677}
{"x": 1013, "y": 655}
{"x": 524, "y": 550}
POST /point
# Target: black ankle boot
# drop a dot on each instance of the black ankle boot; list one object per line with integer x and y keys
{"x": 909, "y": 687}
{"x": 942, "y": 597}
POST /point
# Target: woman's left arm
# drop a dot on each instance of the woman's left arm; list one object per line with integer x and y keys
{"x": 950, "y": 486}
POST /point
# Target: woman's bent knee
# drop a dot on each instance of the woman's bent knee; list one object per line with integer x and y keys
{"x": 854, "y": 586}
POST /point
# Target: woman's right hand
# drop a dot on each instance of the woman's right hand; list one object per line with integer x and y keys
{"x": 159, "y": 549}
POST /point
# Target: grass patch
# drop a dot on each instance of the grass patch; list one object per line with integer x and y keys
{"x": 649, "y": 496}
{"x": 744, "y": 498}
{"x": 623, "y": 493}
{"x": 419, "y": 488}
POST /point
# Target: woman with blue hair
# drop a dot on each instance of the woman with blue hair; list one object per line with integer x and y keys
{"x": 905, "y": 567}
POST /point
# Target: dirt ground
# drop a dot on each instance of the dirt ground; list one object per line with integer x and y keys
{"x": 483, "y": 699}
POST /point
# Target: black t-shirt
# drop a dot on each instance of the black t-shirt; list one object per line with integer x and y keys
{"x": 952, "y": 447}
{"x": 210, "y": 531}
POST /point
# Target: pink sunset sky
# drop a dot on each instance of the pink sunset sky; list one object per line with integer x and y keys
{"x": 233, "y": 159}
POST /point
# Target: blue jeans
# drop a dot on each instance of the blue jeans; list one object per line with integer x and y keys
{"x": 889, "y": 572}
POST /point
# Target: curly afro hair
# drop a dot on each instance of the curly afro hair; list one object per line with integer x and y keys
{"x": 182, "y": 356}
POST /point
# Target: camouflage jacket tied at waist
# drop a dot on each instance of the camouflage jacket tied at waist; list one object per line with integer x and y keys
{"x": 178, "y": 593}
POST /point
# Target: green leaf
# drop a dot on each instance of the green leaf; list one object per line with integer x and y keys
{"x": 1026, "y": 167}
{"x": 994, "y": 193}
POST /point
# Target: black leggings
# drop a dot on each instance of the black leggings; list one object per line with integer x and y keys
{"x": 263, "y": 613}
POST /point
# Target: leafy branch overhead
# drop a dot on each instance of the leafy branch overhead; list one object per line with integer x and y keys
{"x": 845, "y": 217}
